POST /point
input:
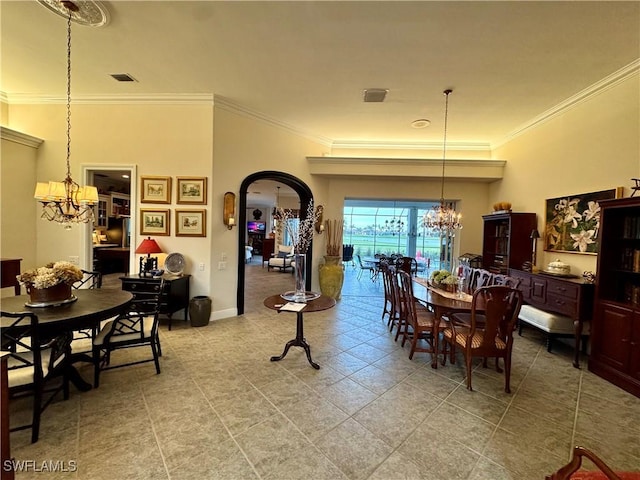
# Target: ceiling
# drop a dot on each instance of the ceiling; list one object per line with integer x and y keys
{"x": 305, "y": 64}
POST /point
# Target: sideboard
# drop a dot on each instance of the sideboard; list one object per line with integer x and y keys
{"x": 571, "y": 297}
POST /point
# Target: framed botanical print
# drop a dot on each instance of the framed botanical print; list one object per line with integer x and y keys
{"x": 155, "y": 189}
{"x": 191, "y": 223}
{"x": 154, "y": 222}
{"x": 192, "y": 190}
{"x": 573, "y": 222}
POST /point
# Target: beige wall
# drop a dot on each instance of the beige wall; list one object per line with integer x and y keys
{"x": 591, "y": 147}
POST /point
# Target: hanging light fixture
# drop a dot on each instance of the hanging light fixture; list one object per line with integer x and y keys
{"x": 67, "y": 202}
{"x": 443, "y": 220}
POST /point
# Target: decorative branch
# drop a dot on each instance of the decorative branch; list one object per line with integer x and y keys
{"x": 334, "y": 237}
{"x": 301, "y": 233}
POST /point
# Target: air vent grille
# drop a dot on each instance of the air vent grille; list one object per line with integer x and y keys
{"x": 375, "y": 94}
{"x": 123, "y": 77}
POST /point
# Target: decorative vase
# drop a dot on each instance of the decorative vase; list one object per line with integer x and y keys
{"x": 200, "y": 311}
{"x": 300, "y": 295}
{"x": 331, "y": 276}
{"x": 57, "y": 293}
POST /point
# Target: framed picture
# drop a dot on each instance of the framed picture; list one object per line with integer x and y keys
{"x": 191, "y": 223}
{"x": 155, "y": 189}
{"x": 154, "y": 222}
{"x": 573, "y": 222}
{"x": 192, "y": 190}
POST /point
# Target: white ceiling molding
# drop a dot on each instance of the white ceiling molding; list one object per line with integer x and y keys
{"x": 231, "y": 106}
{"x": 155, "y": 99}
{"x": 21, "y": 138}
{"x": 606, "y": 83}
{"x": 415, "y": 168}
{"x": 436, "y": 146}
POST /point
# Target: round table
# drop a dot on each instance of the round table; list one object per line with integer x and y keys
{"x": 92, "y": 307}
{"x": 275, "y": 302}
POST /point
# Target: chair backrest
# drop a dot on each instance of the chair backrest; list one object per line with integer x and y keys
{"x": 143, "y": 308}
{"x": 360, "y": 264}
{"x": 480, "y": 278}
{"x": 406, "y": 298}
{"x": 506, "y": 280}
{"x": 406, "y": 264}
{"x": 347, "y": 253}
{"x": 89, "y": 280}
{"x": 286, "y": 249}
{"x": 388, "y": 271}
{"x": 499, "y": 307}
{"x": 468, "y": 274}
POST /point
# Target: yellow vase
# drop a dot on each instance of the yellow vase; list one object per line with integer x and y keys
{"x": 331, "y": 276}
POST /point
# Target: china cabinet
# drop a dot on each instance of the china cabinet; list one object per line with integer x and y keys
{"x": 506, "y": 241}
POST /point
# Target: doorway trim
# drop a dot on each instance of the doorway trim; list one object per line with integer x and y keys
{"x": 303, "y": 191}
{"x": 86, "y": 244}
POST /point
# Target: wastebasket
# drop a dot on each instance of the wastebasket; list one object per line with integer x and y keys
{"x": 200, "y": 310}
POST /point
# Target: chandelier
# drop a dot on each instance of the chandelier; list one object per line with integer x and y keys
{"x": 443, "y": 220}
{"x": 67, "y": 202}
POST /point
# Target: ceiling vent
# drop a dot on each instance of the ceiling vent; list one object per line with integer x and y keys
{"x": 123, "y": 77}
{"x": 375, "y": 94}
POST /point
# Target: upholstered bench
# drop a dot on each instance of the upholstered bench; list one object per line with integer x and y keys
{"x": 553, "y": 324}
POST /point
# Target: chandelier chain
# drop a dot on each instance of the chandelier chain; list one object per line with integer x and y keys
{"x": 444, "y": 144}
{"x": 69, "y": 94}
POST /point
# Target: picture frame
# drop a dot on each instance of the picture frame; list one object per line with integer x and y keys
{"x": 155, "y": 189}
{"x": 155, "y": 221}
{"x": 191, "y": 223}
{"x": 192, "y": 190}
{"x": 572, "y": 222}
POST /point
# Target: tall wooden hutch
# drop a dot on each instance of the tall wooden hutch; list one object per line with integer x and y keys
{"x": 506, "y": 241}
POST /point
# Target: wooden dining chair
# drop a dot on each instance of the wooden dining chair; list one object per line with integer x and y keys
{"x": 487, "y": 331}
{"x": 603, "y": 472}
{"x": 390, "y": 307}
{"x": 32, "y": 362}
{"x": 420, "y": 322}
{"x": 137, "y": 327}
{"x": 506, "y": 280}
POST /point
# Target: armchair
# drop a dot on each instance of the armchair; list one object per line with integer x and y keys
{"x": 282, "y": 259}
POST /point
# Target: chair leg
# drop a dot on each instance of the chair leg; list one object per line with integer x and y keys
{"x": 158, "y": 346}
{"x": 155, "y": 356}
{"x": 507, "y": 373}
{"x": 414, "y": 344}
{"x": 96, "y": 367}
{"x": 37, "y": 411}
{"x": 468, "y": 359}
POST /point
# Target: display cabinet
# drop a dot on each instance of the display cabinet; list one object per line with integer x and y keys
{"x": 101, "y": 211}
{"x": 119, "y": 205}
{"x": 506, "y": 241}
{"x": 615, "y": 333}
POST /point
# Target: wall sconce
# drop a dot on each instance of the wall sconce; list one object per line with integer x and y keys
{"x": 319, "y": 222}
{"x": 229, "y": 210}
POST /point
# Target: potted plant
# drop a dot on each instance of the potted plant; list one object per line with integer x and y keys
{"x": 51, "y": 283}
{"x": 444, "y": 280}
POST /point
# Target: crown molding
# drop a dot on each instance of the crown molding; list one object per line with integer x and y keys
{"x": 606, "y": 83}
{"x": 155, "y": 99}
{"x": 21, "y": 138}
{"x": 459, "y": 162}
{"x": 231, "y": 106}
{"x": 435, "y": 146}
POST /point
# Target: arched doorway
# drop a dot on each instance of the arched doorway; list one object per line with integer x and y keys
{"x": 303, "y": 191}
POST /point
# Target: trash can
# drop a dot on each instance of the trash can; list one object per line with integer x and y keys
{"x": 200, "y": 310}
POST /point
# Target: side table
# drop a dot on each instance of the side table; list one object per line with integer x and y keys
{"x": 176, "y": 295}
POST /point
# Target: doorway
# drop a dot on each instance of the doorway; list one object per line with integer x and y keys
{"x": 305, "y": 195}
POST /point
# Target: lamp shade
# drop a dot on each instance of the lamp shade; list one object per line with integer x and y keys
{"x": 148, "y": 246}
{"x": 535, "y": 234}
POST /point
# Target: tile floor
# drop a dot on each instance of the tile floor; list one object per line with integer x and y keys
{"x": 221, "y": 410}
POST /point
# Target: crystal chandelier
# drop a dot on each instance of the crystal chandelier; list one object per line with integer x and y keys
{"x": 67, "y": 202}
{"x": 443, "y": 220}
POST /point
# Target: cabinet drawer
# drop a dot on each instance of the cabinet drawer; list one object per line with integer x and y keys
{"x": 563, "y": 289}
{"x": 140, "y": 286}
{"x": 562, "y": 305}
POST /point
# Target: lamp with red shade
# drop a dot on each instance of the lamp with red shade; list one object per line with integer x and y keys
{"x": 148, "y": 263}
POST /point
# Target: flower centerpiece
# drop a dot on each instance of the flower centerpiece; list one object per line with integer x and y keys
{"x": 51, "y": 283}
{"x": 300, "y": 232}
{"x": 444, "y": 280}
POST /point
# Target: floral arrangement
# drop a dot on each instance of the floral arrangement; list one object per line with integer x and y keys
{"x": 444, "y": 277}
{"x": 334, "y": 237}
{"x": 301, "y": 232}
{"x": 51, "y": 275}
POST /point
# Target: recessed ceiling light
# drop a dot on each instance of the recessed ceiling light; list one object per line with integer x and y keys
{"x": 421, "y": 123}
{"x": 125, "y": 176}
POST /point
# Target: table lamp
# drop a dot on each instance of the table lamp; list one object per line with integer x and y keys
{"x": 534, "y": 237}
{"x": 148, "y": 263}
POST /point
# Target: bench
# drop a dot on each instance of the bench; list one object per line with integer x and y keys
{"x": 553, "y": 324}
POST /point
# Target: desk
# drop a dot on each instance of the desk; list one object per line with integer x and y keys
{"x": 441, "y": 305}
{"x": 92, "y": 307}
{"x": 321, "y": 303}
{"x": 9, "y": 268}
{"x": 177, "y": 291}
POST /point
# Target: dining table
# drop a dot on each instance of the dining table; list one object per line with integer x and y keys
{"x": 443, "y": 304}
{"x": 91, "y": 307}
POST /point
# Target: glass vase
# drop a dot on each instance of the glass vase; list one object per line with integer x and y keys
{"x": 300, "y": 295}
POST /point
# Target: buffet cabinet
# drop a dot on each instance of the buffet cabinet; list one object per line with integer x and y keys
{"x": 615, "y": 333}
{"x": 506, "y": 240}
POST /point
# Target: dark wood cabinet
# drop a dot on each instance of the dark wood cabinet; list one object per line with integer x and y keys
{"x": 615, "y": 333}
{"x": 571, "y": 297}
{"x": 268, "y": 246}
{"x": 10, "y": 268}
{"x": 175, "y": 298}
{"x": 506, "y": 240}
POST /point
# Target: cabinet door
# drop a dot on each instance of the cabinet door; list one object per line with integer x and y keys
{"x": 634, "y": 347}
{"x": 612, "y": 338}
